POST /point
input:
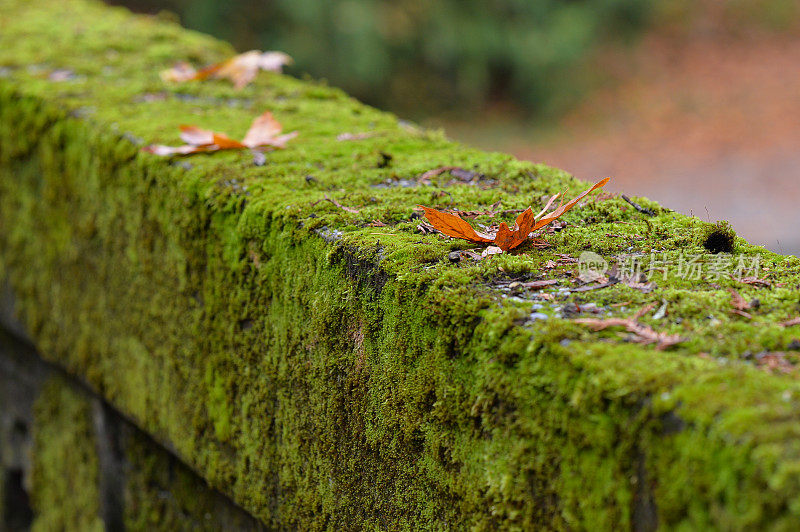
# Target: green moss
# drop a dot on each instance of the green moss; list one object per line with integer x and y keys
{"x": 366, "y": 380}
{"x": 64, "y": 476}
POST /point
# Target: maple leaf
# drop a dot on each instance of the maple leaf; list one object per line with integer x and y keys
{"x": 264, "y": 132}
{"x": 180, "y": 72}
{"x": 506, "y": 238}
{"x": 240, "y": 69}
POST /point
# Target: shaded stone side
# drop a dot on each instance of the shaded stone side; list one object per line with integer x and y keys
{"x": 69, "y": 462}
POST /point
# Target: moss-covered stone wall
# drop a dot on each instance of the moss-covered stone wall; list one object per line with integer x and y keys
{"x": 330, "y": 369}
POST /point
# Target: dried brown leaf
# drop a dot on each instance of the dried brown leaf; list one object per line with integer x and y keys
{"x": 196, "y": 136}
{"x": 264, "y": 132}
{"x": 548, "y": 218}
{"x": 454, "y": 226}
{"x": 166, "y": 151}
{"x": 506, "y": 238}
{"x": 548, "y": 204}
{"x": 240, "y": 69}
{"x": 179, "y": 73}
{"x": 224, "y": 142}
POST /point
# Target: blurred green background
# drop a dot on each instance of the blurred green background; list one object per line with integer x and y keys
{"x": 418, "y": 57}
{"x": 695, "y": 103}
{"x": 421, "y": 58}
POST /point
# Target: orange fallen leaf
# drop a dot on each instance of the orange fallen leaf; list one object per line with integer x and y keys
{"x": 264, "y": 132}
{"x": 240, "y": 69}
{"x": 455, "y": 226}
{"x": 179, "y": 73}
{"x": 506, "y": 238}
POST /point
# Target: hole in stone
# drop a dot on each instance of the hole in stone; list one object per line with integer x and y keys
{"x": 20, "y": 428}
{"x": 17, "y": 513}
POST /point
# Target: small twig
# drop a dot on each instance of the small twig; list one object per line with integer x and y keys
{"x": 492, "y": 214}
{"x": 644, "y": 334}
{"x": 624, "y": 303}
{"x": 644, "y": 310}
{"x": 356, "y": 136}
{"x": 638, "y": 207}
{"x": 742, "y": 313}
{"x": 348, "y": 209}
{"x": 587, "y": 288}
{"x": 434, "y": 172}
{"x": 509, "y": 211}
